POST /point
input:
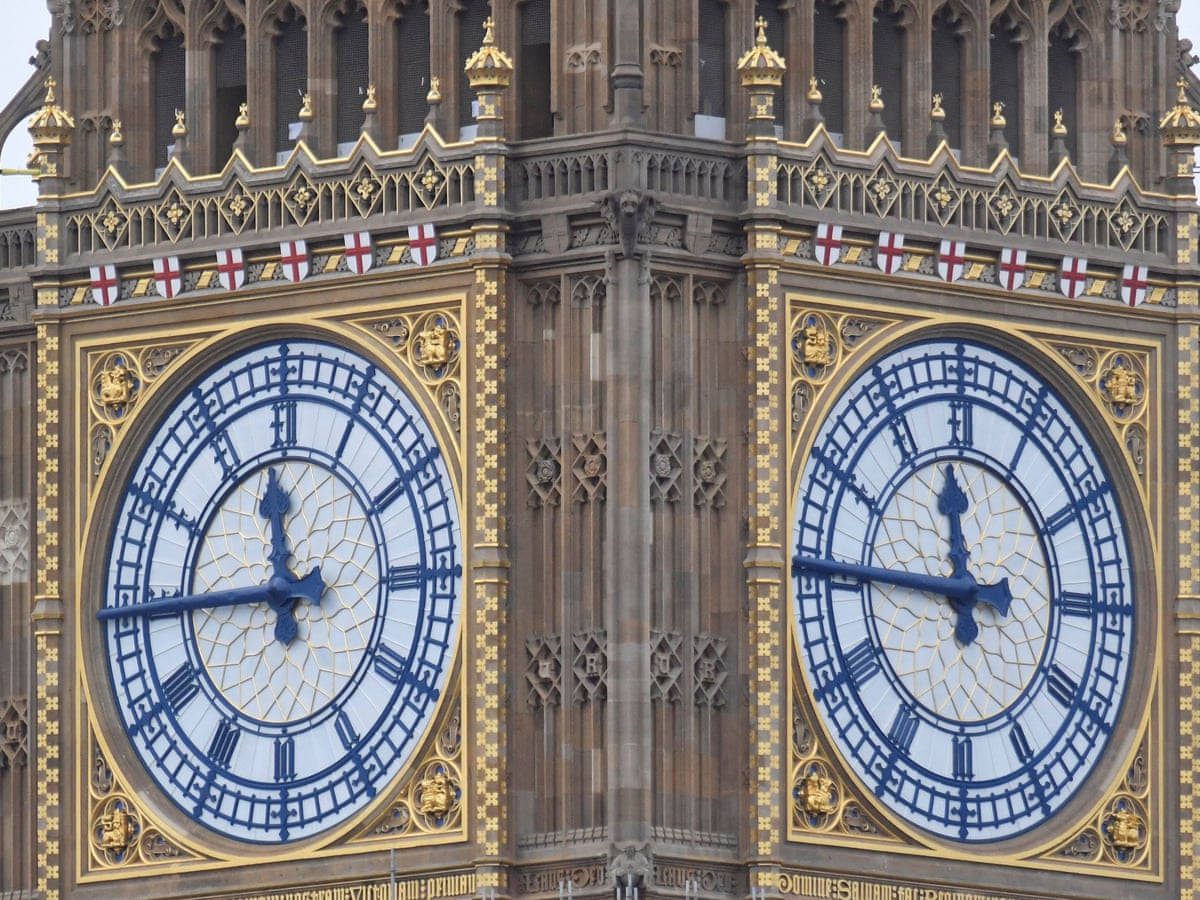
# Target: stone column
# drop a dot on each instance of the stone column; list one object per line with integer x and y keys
{"x": 489, "y": 70}
{"x": 52, "y": 128}
{"x": 766, "y": 581}
{"x": 626, "y": 76}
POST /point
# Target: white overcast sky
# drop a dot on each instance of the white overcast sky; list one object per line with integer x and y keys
{"x": 26, "y": 21}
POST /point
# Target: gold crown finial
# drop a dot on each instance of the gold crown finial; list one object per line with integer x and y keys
{"x": 180, "y": 129}
{"x": 370, "y": 104}
{"x": 116, "y": 138}
{"x": 489, "y": 67}
{"x": 876, "y": 103}
{"x": 243, "y": 119}
{"x": 761, "y": 37}
{"x": 814, "y": 92}
{"x": 1118, "y": 132}
{"x": 1059, "y": 130}
{"x": 435, "y": 90}
{"x": 51, "y": 84}
{"x": 936, "y": 111}
{"x": 998, "y": 120}
{"x": 306, "y": 110}
{"x": 1182, "y": 85}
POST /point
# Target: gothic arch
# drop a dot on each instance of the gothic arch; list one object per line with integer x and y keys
{"x": 154, "y": 18}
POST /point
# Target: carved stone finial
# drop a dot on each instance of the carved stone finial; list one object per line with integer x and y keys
{"x": 1058, "y": 144}
{"x": 997, "y": 142}
{"x": 1059, "y": 128}
{"x": 937, "y": 129}
{"x": 760, "y": 25}
{"x": 936, "y": 111}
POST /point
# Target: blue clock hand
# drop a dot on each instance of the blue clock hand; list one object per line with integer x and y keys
{"x": 275, "y": 504}
{"x": 960, "y": 588}
{"x": 952, "y": 503}
{"x": 277, "y": 590}
{"x": 918, "y": 581}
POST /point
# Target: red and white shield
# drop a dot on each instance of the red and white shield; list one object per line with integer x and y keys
{"x": 1133, "y": 285}
{"x": 951, "y": 257}
{"x": 168, "y": 277}
{"x": 889, "y": 251}
{"x": 231, "y": 269}
{"x": 1012, "y": 268}
{"x": 828, "y": 244}
{"x": 1072, "y": 277}
{"x": 422, "y": 244}
{"x": 360, "y": 254}
{"x": 293, "y": 258}
{"x": 105, "y": 286}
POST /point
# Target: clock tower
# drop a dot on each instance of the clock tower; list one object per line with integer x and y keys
{"x": 706, "y": 449}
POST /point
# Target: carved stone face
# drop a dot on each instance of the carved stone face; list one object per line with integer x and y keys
{"x": 629, "y": 204}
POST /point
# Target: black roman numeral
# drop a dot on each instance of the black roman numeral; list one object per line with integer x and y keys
{"x": 180, "y": 687}
{"x": 223, "y": 743}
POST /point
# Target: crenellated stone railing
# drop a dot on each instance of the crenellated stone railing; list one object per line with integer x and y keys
{"x": 428, "y": 183}
{"x": 433, "y": 182}
{"x": 936, "y": 198}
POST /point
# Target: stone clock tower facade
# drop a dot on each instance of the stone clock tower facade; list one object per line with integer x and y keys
{"x": 536, "y": 449}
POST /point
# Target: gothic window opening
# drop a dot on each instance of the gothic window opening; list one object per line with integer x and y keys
{"x": 888, "y": 69}
{"x": 229, "y": 67}
{"x": 170, "y": 92}
{"x": 829, "y": 63}
{"x": 412, "y": 73}
{"x": 1006, "y": 80}
{"x": 1063, "y": 81}
{"x": 533, "y": 70}
{"x": 291, "y": 77}
{"x": 353, "y": 75}
{"x": 470, "y": 37}
{"x": 713, "y": 81}
{"x": 947, "y": 47}
{"x": 770, "y": 11}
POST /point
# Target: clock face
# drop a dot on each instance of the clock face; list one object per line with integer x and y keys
{"x": 282, "y": 594}
{"x": 963, "y": 598}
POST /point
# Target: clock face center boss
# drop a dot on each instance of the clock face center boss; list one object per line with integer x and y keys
{"x": 283, "y": 591}
{"x": 963, "y": 599}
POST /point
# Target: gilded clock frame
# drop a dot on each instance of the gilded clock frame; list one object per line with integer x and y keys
{"x": 851, "y": 336}
{"x": 387, "y": 331}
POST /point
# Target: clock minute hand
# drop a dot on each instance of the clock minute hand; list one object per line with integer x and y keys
{"x": 274, "y": 591}
{"x": 953, "y": 588}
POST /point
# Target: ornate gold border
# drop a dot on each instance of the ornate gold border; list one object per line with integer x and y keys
{"x": 821, "y": 358}
{"x": 356, "y": 325}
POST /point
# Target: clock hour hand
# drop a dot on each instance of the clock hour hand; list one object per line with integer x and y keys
{"x": 277, "y": 590}
{"x": 275, "y": 504}
{"x": 952, "y": 503}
